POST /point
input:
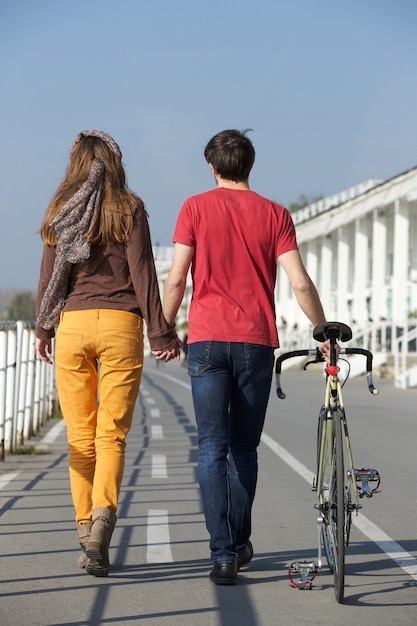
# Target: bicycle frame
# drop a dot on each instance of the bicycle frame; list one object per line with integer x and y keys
{"x": 333, "y": 408}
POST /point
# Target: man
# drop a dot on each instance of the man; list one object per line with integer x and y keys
{"x": 232, "y": 238}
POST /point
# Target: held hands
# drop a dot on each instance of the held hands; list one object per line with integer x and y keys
{"x": 43, "y": 349}
{"x": 167, "y": 355}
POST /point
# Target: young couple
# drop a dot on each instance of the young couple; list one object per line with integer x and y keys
{"x": 97, "y": 285}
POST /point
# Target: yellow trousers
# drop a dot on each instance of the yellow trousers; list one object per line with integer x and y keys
{"x": 99, "y": 361}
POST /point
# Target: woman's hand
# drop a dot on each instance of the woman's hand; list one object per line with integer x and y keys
{"x": 167, "y": 355}
{"x": 43, "y": 349}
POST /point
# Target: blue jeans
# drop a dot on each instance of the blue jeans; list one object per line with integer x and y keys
{"x": 231, "y": 384}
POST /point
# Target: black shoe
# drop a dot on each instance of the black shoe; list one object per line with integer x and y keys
{"x": 224, "y": 573}
{"x": 246, "y": 556}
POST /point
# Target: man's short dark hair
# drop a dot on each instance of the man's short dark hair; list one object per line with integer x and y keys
{"x": 231, "y": 154}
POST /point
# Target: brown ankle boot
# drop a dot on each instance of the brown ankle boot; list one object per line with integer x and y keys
{"x": 84, "y": 531}
{"x": 102, "y": 527}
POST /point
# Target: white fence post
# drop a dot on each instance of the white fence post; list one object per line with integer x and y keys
{"x": 37, "y": 417}
{"x": 30, "y": 382}
{"x": 21, "y": 371}
{"x": 9, "y": 427}
{"x": 3, "y": 379}
{"x": 27, "y": 386}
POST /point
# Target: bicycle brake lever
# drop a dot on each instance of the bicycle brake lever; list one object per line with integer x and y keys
{"x": 309, "y": 363}
{"x": 319, "y": 358}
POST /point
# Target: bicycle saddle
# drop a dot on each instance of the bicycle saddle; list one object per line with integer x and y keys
{"x": 332, "y": 330}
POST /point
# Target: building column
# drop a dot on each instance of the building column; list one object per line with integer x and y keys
{"x": 342, "y": 285}
{"x": 312, "y": 260}
{"x": 283, "y": 297}
{"x": 326, "y": 267}
{"x": 400, "y": 272}
{"x": 379, "y": 264}
{"x": 360, "y": 270}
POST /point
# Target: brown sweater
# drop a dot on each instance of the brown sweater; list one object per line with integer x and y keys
{"x": 116, "y": 276}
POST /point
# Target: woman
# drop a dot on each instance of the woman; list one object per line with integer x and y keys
{"x": 98, "y": 282}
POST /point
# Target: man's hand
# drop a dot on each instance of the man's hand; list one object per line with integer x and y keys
{"x": 167, "y": 355}
{"x": 325, "y": 350}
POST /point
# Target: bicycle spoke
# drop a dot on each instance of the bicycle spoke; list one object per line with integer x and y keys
{"x": 338, "y": 509}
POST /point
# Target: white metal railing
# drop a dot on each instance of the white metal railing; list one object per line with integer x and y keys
{"x": 27, "y": 386}
{"x": 405, "y": 345}
{"x": 389, "y": 341}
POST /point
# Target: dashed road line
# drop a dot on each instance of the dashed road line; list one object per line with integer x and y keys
{"x": 157, "y": 432}
{"x": 5, "y": 479}
{"x": 158, "y": 539}
{"x": 159, "y": 466}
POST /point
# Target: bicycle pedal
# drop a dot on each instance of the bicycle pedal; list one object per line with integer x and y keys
{"x": 302, "y": 574}
{"x": 366, "y": 476}
{"x": 369, "y": 474}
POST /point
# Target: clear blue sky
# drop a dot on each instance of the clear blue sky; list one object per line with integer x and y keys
{"x": 329, "y": 88}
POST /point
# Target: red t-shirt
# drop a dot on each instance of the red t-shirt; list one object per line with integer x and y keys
{"x": 238, "y": 236}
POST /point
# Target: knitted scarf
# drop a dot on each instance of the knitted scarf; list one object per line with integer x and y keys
{"x": 70, "y": 226}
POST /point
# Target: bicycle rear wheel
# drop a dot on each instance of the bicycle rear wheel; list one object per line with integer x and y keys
{"x": 332, "y": 500}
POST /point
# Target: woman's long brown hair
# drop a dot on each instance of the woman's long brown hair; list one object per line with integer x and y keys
{"x": 118, "y": 203}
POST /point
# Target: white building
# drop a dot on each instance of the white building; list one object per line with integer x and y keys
{"x": 360, "y": 248}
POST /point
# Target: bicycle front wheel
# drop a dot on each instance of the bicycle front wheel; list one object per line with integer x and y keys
{"x": 332, "y": 499}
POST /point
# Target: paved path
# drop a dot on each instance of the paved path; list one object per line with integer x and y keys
{"x": 159, "y": 551}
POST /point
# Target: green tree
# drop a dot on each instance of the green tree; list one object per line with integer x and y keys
{"x": 21, "y": 306}
{"x": 302, "y": 202}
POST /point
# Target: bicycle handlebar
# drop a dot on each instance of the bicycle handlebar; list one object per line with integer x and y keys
{"x": 318, "y": 358}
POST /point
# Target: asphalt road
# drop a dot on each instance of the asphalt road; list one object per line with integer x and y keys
{"x": 159, "y": 553}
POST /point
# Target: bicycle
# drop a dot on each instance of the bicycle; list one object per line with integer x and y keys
{"x": 338, "y": 491}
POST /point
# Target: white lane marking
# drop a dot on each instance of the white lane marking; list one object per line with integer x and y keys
{"x": 157, "y": 432}
{"x": 174, "y": 380}
{"x": 158, "y": 539}
{"x": 52, "y": 434}
{"x": 144, "y": 391}
{"x": 390, "y": 547}
{"x": 150, "y": 401}
{"x": 49, "y": 438}
{"x": 155, "y": 413}
{"x": 159, "y": 466}
{"x": 288, "y": 458}
{"x": 7, "y": 478}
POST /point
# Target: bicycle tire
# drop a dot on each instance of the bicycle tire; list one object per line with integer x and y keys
{"x": 349, "y": 496}
{"x": 323, "y": 445}
{"x": 333, "y": 503}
